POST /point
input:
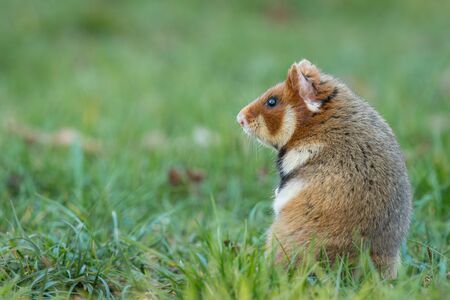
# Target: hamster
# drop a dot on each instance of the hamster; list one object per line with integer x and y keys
{"x": 343, "y": 179}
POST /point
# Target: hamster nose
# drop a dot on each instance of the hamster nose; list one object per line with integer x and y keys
{"x": 240, "y": 118}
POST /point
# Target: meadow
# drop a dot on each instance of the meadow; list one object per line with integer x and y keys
{"x": 123, "y": 173}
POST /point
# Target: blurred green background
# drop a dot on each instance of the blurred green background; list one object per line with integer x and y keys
{"x": 123, "y": 173}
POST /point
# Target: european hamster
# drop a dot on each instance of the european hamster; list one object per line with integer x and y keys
{"x": 343, "y": 179}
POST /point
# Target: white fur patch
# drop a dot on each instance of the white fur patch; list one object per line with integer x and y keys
{"x": 286, "y": 194}
{"x": 288, "y": 127}
{"x": 312, "y": 105}
{"x": 297, "y": 157}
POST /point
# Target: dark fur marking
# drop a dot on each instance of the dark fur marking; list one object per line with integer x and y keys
{"x": 280, "y": 157}
{"x": 363, "y": 153}
{"x": 351, "y": 156}
{"x": 308, "y": 208}
{"x": 323, "y": 121}
{"x": 317, "y": 217}
{"x": 306, "y": 77}
{"x": 285, "y": 178}
{"x": 329, "y": 97}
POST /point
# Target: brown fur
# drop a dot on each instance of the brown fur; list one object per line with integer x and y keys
{"x": 357, "y": 186}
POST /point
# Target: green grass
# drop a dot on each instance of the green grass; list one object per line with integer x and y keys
{"x": 110, "y": 225}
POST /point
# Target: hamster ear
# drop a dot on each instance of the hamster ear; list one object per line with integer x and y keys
{"x": 303, "y": 80}
{"x": 292, "y": 79}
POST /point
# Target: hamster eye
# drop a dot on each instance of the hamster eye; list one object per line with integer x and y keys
{"x": 272, "y": 101}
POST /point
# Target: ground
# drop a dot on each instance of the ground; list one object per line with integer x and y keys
{"x": 123, "y": 173}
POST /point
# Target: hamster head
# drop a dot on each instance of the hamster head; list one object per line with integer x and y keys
{"x": 273, "y": 117}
